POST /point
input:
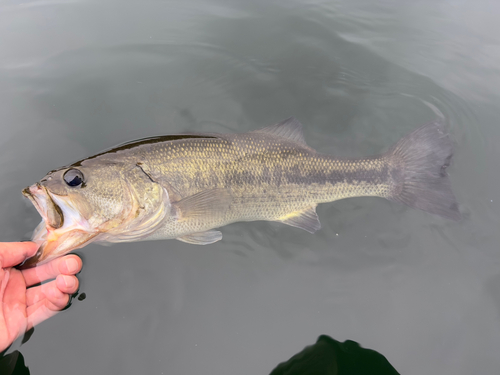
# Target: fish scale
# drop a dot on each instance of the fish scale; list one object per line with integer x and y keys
{"x": 284, "y": 178}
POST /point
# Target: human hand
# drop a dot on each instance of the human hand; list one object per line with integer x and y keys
{"x": 22, "y": 307}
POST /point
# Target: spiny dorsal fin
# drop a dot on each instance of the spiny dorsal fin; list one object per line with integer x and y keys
{"x": 306, "y": 219}
{"x": 202, "y": 238}
{"x": 290, "y": 129}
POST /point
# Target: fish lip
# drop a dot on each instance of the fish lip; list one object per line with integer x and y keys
{"x": 28, "y": 194}
{"x": 31, "y": 261}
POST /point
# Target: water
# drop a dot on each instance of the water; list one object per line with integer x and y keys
{"x": 78, "y": 77}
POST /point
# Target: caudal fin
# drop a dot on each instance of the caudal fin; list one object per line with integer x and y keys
{"x": 423, "y": 183}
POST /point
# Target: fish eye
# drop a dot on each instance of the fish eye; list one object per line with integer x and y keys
{"x": 73, "y": 177}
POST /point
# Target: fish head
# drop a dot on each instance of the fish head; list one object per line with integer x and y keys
{"x": 81, "y": 204}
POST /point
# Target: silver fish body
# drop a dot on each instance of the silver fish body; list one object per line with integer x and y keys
{"x": 184, "y": 186}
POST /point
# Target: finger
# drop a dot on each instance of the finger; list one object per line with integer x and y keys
{"x": 55, "y": 293}
{"x": 67, "y": 265}
{"x": 12, "y": 253}
{"x": 67, "y": 284}
{"x": 41, "y": 311}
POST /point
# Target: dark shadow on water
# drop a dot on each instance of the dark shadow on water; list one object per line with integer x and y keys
{"x": 331, "y": 357}
{"x": 13, "y": 364}
{"x": 326, "y": 357}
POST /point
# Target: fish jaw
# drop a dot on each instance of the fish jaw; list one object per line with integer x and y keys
{"x": 58, "y": 244}
{"x": 72, "y": 230}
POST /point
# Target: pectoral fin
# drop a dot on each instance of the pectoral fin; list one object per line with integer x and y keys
{"x": 208, "y": 203}
{"x": 202, "y": 238}
{"x": 306, "y": 219}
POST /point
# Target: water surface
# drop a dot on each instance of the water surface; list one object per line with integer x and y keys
{"x": 78, "y": 77}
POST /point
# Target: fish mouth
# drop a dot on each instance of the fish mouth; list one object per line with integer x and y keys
{"x": 45, "y": 205}
{"x": 62, "y": 229}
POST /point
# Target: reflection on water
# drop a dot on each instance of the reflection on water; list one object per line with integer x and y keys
{"x": 331, "y": 357}
{"x": 326, "y": 357}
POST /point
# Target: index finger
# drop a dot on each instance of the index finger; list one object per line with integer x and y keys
{"x": 13, "y": 253}
{"x": 66, "y": 265}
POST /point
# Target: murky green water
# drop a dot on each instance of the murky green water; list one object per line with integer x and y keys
{"x": 78, "y": 77}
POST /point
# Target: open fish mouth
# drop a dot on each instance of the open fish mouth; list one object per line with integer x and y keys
{"x": 45, "y": 205}
{"x": 62, "y": 229}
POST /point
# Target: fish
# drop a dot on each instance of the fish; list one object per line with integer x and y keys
{"x": 185, "y": 186}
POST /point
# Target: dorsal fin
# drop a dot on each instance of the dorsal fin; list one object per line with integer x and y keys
{"x": 290, "y": 129}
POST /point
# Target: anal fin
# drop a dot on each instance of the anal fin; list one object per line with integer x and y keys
{"x": 202, "y": 238}
{"x": 306, "y": 219}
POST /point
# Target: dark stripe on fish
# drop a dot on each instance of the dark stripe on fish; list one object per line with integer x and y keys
{"x": 143, "y": 141}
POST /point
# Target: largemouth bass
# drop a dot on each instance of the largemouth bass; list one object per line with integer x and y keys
{"x": 184, "y": 186}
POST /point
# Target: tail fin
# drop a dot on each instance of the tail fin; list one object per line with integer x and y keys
{"x": 423, "y": 183}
